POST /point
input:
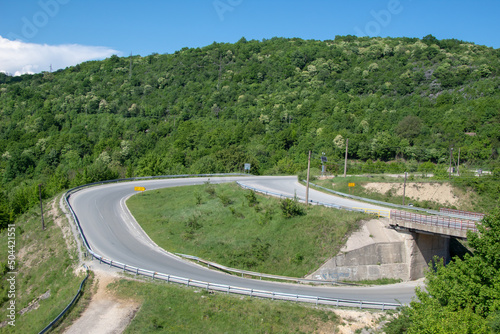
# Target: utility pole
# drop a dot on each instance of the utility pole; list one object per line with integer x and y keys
{"x": 404, "y": 189}
{"x": 345, "y": 163}
{"x": 307, "y": 186}
{"x": 451, "y": 153}
{"x": 41, "y": 206}
{"x": 458, "y": 166}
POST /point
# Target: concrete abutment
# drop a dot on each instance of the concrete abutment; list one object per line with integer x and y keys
{"x": 401, "y": 255}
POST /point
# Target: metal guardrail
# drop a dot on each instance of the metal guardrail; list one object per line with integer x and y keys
{"x": 378, "y": 212}
{"x": 214, "y": 286}
{"x": 246, "y": 291}
{"x": 73, "y": 301}
{"x": 260, "y": 275}
{"x": 266, "y": 192}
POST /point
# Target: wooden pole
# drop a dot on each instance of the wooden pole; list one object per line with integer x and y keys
{"x": 307, "y": 187}
{"x": 404, "y": 189}
{"x": 451, "y": 153}
{"x": 41, "y": 206}
{"x": 458, "y": 165}
{"x": 345, "y": 163}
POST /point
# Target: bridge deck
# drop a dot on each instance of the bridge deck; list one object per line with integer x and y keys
{"x": 432, "y": 224}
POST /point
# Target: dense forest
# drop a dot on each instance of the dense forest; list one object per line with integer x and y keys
{"x": 403, "y": 103}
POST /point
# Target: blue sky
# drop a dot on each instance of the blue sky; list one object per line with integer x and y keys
{"x": 38, "y": 33}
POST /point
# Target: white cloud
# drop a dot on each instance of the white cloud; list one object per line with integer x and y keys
{"x": 18, "y": 57}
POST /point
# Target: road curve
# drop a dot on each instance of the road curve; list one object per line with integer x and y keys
{"x": 112, "y": 232}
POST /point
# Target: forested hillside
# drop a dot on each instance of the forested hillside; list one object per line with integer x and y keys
{"x": 212, "y": 109}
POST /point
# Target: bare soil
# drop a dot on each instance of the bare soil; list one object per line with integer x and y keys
{"x": 106, "y": 313}
{"x": 441, "y": 193}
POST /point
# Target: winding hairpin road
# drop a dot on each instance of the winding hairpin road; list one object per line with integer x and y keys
{"x": 112, "y": 232}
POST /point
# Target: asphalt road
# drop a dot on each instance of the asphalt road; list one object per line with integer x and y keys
{"x": 113, "y": 233}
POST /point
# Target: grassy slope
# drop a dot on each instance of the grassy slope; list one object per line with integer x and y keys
{"x": 176, "y": 309}
{"x": 43, "y": 263}
{"x": 257, "y": 238}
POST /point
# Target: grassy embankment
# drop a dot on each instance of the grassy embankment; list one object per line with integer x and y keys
{"x": 223, "y": 224}
{"x": 44, "y": 265}
{"x": 469, "y": 200}
{"x": 178, "y": 309}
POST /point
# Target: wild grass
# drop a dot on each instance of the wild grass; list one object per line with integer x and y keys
{"x": 236, "y": 228}
{"x": 43, "y": 263}
{"x": 170, "y": 308}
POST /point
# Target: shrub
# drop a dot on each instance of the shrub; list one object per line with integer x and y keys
{"x": 291, "y": 208}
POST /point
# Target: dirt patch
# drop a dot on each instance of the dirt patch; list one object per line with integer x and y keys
{"x": 35, "y": 303}
{"x": 441, "y": 193}
{"x": 357, "y": 320}
{"x": 106, "y": 313}
{"x": 372, "y": 232}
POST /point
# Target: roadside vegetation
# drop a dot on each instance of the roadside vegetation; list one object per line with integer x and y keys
{"x": 46, "y": 280}
{"x": 237, "y": 228}
{"x": 168, "y": 308}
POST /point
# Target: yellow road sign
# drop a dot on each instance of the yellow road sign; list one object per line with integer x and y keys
{"x": 139, "y": 189}
{"x": 351, "y": 184}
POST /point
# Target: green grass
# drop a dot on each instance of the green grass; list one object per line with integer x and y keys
{"x": 220, "y": 223}
{"x": 342, "y": 185}
{"x": 170, "y": 308}
{"x": 380, "y": 281}
{"x": 43, "y": 263}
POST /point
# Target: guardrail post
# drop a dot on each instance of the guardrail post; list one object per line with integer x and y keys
{"x": 154, "y": 275}
{"x": 360, "y": 304}
{"x": 137, "y": 271}
{"x": 110, "y": 263}
{"x": 188, "y": 281}
{"x": 317, "y": 299}
{"x": 168, "y": 278}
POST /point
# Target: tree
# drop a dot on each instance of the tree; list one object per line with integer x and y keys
{"x": 409, "y": 127}
{"x": 464, "y": 296}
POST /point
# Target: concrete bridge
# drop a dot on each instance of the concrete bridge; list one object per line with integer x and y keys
{"x": 437, "y": 225}
{"x": 408, "y": 244}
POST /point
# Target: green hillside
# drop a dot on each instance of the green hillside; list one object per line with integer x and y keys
{"x": 267, "y": 103}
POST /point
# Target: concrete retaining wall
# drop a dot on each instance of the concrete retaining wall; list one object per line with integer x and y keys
{"x": 406, "y": 260}
{"x": 381, "y": 260}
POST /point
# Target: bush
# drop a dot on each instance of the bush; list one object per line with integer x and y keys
{"x": 291, "y": 208}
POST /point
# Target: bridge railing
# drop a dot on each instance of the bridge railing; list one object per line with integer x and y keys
{"x": 453, "y": 223}
{"x": 463, "y": 213}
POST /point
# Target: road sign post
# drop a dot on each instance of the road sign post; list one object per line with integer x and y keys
{"x": 350, "y": 185}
